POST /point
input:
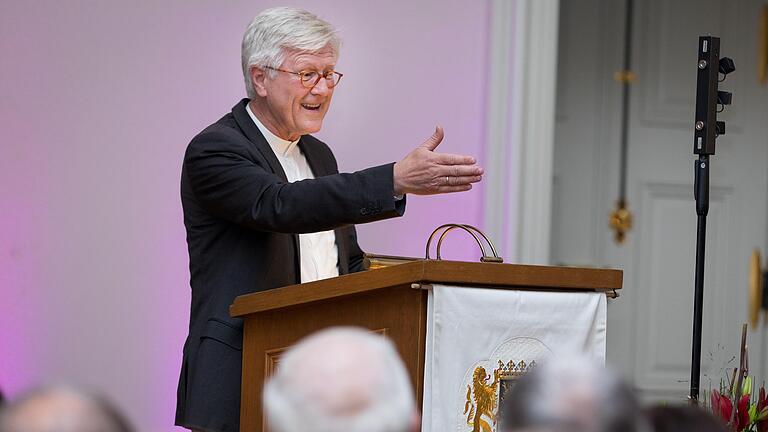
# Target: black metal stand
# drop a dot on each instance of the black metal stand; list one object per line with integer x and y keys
{"x": 707, "y": 129}
{"x": 701, "y": 192}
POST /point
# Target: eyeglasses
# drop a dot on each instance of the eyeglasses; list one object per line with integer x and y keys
{"x": 310, "y": 78}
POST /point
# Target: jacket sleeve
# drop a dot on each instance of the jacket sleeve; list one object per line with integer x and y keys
{"x": 233, "y": 184}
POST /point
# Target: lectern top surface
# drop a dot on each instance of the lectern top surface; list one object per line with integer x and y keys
{"x": 502, "y": 276}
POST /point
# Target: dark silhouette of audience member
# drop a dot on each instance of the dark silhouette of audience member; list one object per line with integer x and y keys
{"x": 341, "y": 379}
{"x": 61, "y": 409}
{"x": 683, "y": 418}
{"x": 571, "y": 394}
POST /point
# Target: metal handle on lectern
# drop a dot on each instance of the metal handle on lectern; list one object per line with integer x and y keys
{"x": 495, "y": 258}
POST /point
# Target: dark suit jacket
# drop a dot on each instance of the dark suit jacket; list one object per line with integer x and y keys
{"x": 242, "y": 218}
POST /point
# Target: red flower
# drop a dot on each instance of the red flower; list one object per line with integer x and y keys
{"x": 714, "y": 398}
{"x": 762, "y": 403}
{"x": 742, "y": 413}
{"x": 721, "y": 406}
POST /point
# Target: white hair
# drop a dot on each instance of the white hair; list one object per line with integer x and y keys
{"x": 61, "y": 409}
{"x": 571, "y": 393}
{"x": 340, "y": 379}
{"x": 276, "y": 30}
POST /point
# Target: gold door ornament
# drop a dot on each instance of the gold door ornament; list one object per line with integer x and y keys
{"x": 620, "y": 221}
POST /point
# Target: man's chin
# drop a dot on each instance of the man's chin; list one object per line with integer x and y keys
{"x": 312, "y": 127}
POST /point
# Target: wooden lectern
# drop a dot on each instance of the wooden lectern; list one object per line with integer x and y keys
{"x": 390, "y": 300}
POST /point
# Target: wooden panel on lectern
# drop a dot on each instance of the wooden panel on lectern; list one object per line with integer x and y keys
{"x": 398, "y": 312}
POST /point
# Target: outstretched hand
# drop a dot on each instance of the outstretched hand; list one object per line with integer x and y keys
{"x": 424, "y": 172}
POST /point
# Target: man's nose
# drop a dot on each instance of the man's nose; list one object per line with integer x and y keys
{"x": 321, "y": 88}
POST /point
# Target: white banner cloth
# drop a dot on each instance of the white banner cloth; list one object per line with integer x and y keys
{"x": 471, "y": 327}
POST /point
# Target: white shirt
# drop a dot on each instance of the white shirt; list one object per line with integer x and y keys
{"x": 319, "y": 254}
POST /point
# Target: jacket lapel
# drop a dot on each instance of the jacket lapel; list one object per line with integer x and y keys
{"x": 315, "y": 160}
{"x": 320, "y": 167}
{"x": 254, "y": 135}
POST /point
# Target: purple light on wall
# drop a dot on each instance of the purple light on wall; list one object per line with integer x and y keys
{"x": 97, "y": 104}
{"x": 20, "y": 304}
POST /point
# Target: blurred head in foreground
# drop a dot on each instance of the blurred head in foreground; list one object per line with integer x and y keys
{"x": 676, "y": 418}
{"x": 61, "y": 409}
{"x": 341, "y": 379}
{"x": 571, "y": 394}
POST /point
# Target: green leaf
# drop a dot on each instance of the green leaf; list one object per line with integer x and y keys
{"x": 746, "y": 387}
{"x": 752, "y": 414}
{"x": 763, "y": 414}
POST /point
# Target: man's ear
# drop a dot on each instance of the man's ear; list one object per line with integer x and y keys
{"x": 258, "y": 76}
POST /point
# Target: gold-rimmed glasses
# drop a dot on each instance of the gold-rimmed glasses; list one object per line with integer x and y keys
{"x": 310, "y": 78}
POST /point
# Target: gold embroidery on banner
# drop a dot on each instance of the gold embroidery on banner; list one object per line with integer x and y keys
{"x": 484, "y": 404}
{"x": 484, "y": 398}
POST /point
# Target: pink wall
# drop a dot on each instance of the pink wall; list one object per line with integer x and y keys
{"x": 97, "y": 103}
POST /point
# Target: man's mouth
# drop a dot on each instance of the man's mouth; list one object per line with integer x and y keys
{"x": 311, "y": 107}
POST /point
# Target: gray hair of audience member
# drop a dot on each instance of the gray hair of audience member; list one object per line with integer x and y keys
{"x": 276, "y": 30}
{"x": 683, "y": 418}
{"x": 61, "y": 409}
{"x": 340, "y": 379}
{"x": 571, "y": 393}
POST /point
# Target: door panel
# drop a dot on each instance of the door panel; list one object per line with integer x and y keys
{"x": 649, "y": 333}
{"x": 663, "y": 328}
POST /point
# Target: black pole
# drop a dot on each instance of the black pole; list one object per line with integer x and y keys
{"x": 704, "y": 135}
{"x": 701, "y": 192}
{"x": 706, "y": 131}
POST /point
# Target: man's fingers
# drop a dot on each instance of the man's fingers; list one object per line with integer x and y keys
{"x": 460, "y": 170}
{"x": 432, "y": 142}
{"x": 450, "y": 189}
{"x": 462, "y": 180}
{"x": 453, "y": 159}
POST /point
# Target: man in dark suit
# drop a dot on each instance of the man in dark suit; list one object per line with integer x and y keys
{"x": 265, "y": 206}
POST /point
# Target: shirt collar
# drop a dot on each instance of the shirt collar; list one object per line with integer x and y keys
{"x": 280, "y": 146}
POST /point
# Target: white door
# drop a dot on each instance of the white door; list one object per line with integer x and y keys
{"x": 649, "y": 333}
